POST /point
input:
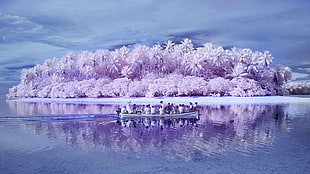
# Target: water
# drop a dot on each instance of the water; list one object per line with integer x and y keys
{"x": 76, "y": 138}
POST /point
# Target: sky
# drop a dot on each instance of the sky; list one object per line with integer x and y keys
{"x": 32, "y": 31}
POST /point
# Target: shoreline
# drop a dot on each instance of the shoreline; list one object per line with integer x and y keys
{"x": 203, "y": 100}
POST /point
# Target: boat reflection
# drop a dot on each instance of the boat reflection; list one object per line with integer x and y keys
{"x": 160, "y": 122}
{"x": 219, "y": 129}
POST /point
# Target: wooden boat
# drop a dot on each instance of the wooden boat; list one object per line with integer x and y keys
{"x": 179, "y": 115}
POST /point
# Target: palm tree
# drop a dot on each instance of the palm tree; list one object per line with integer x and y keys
{"x": 187, "y": 45}
{"x": 193, "y": 64}
{"x": 127, "y": 72}
{"x": 266, "y": 59}
{"x": 140, "y": 56}
{"x": 217, "y": 61}
{"x": 239, "y": 70}
{"x": 282, "y": 74}
{"x": 169, "y": 45}
{"x": 155, "y": 55}
{"x": 113, "y": 67}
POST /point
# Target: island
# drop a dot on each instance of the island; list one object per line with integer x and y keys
{"x": 161, "y": 70}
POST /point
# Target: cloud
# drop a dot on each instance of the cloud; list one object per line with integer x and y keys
{"x": 16, "y": 56}
{"x": 17, "y": 24}
{"x": 281, "y": 27}
{"x": 299, "y": 76}
{"x": 16, "y": 27}
{"x": 305, "y": 69}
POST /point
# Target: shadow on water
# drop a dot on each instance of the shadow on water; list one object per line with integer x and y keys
{"x": 219, "y": 129}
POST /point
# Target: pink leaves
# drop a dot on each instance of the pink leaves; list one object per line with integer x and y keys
{"x": 169, "y": 70}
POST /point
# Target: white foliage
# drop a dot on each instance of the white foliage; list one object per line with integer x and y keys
{"x": 171, "y": 70}
{"x": 298, "y": 88}
{"x": 219, "y": 86}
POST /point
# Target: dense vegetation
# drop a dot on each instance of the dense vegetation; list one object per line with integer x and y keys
{"x": 298, "y": 88}
{"x": 168, "y": 70}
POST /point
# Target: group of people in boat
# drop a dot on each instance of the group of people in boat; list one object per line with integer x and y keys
{"x": 160, "y": 109}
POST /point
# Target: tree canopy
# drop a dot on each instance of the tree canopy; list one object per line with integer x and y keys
{"x": 161, "y": 70}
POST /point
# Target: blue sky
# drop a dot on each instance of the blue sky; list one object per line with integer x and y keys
{"x": 32, "y": 30}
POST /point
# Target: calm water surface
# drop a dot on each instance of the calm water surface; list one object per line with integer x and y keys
{"x": 72, "y": 138}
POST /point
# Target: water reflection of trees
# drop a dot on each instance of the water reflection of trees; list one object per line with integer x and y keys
{"x": 220, "y": 129}
{"x": 41, "y": 108}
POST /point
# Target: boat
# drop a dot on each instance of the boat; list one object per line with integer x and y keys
{"x": 194, "y": 114}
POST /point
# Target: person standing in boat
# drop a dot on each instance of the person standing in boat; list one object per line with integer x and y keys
{"x": 181, "y": 108}
{"x": 162, "y": 104}
{"x": 176, "y": 109}
{"x": 142, "y": 109}
{"x": 124, "y": 110}
{"x": 153, "y": 110}
{"x": 118, "y": 111}
{"x": 191, "y": 107}
{"x": 128, "y": 107}
{"x": 171, "y": 108}
{"x": 195, "y": 106}
{"x": 168, "y": 108}
{"x": 161, "y": 110}
{"x": 134, "y": 108}
{"x": 147, "y": 109}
